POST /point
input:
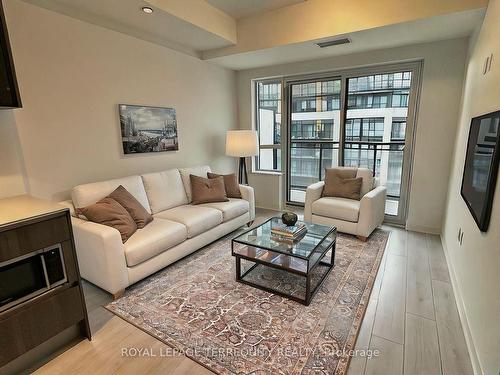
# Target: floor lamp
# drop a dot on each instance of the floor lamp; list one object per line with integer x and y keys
{"x": 242, "y": 144}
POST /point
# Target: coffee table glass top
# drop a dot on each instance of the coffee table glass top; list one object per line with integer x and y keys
{"x": 317, "y": 237}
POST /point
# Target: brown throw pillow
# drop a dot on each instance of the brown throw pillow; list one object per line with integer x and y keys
{"x": 207, "y": 190}
{"x": 230, "y": 183}
{"x": 132, "y": 205}
{"x": 342, "y": 183}
{"x": 111, "y": 213}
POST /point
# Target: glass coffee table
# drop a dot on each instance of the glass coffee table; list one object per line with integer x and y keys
{"x": 304, "y": 257}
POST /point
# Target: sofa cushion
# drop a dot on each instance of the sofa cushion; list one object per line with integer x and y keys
{"x": 87, "y": 194}
{"x": 132, "y": 205}
{"x": 196, "y": 171}
{"x": 231, "y": 209}
{"x": 153, "y": 239}
{"x": 197, "y": 219}
{"x": 164, "y": 190}
{"x": 337, "y": 208}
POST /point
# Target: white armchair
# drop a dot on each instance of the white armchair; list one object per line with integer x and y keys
{"x": 351, "y": 216}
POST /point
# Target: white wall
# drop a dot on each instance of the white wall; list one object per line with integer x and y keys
{"x": 475, "y": 266}
{"x": 442, "y": 81}
{"x": 73, "y": 74}
{"x": 12, "y": 177}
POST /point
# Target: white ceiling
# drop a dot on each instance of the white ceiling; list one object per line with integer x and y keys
{"x": 244, "y": 8}
{"x": 166, "y": 29}
{"x": 426, "y": 30}
{"x": 127, "y": 17}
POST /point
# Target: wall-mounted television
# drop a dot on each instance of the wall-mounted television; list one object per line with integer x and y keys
{"x": 9, "y": 92}
{"x": 481, "y": 167}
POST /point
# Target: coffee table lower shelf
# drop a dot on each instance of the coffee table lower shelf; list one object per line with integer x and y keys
{"x": 310, "y": 290}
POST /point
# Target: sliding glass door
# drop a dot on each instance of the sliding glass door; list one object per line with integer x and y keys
{"x": 314, "y": 133}
{"x": 361, "y": 118}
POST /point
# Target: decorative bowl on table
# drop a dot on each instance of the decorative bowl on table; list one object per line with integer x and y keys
{"x": 289, "y": 218}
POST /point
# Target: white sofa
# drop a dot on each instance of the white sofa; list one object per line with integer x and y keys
{"x": 178, "y": 229}
{"x": 351, "y": 216}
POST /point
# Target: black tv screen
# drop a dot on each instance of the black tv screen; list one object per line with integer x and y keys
{"x": 481, "y": 167}
{"x": 9, "y": 92}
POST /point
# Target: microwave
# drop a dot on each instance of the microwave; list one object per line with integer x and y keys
{"x": 31, "y": 275}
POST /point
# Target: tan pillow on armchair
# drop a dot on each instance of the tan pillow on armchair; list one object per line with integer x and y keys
{"x": 342, "y": 183}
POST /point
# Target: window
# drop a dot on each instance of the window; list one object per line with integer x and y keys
{"x": 398, "y": 130}
{"x": 353, "y": 118}
{"x": 366, "y": 142}
{"x": 316, "y": 96}
{"x": 312, "y": 129}
{"x": 268, "y": 124}
{"x": 364, "y": 129}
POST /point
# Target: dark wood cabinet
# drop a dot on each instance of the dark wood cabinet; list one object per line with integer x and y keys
{"x": 30, "y": 323}
{"x": 9, "y": 91}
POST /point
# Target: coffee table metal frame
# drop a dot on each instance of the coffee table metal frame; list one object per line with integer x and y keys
{"x": 310, "y": 291}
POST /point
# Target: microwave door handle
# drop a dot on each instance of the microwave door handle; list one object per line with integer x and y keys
{"x": 45, "y": 274}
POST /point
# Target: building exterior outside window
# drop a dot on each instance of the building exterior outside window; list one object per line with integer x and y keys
{"x": 378, "y": 107}
{"x": 268, "y": 124}
{"x": 374, "y": 132}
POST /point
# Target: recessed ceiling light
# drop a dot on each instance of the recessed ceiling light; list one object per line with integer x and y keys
{"x": 147, "y": 10}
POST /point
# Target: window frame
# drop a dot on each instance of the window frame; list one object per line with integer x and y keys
{"x": 256, "y": 124}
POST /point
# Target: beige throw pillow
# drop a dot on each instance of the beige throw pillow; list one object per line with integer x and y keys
{"x": 132, "y": 205}
{"x": 342, "y": 183}
{"x": 111, "y": 213}
{"x": 230, "y": 183}
{"x": 207, "y": 190}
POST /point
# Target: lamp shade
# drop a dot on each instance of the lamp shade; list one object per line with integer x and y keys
{"x": 242, "y": 143}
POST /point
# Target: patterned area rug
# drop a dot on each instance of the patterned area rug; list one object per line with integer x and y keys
{"x": 196, "y": 307}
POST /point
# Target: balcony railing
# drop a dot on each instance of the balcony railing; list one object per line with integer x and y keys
{"x": 313, "y": 163}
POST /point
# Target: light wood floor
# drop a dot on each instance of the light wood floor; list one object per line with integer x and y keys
{"x": 411, "y": 319}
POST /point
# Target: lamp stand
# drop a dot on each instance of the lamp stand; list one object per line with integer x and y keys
{"x": 242, "y": 172}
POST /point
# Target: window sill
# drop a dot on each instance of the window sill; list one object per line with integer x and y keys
{"x": 267, "y": 173}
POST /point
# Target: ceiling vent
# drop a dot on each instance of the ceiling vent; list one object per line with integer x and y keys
{"x": 335, "y": 42}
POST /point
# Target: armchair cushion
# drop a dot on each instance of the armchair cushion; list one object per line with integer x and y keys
{"x": 337, "y": 208}
{"x": 368, "y": 180}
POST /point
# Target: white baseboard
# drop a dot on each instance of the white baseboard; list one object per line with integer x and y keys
{"x": 268, "y": 208}
{"x": 423, "y": 229}
{"x": 476, "y": 365}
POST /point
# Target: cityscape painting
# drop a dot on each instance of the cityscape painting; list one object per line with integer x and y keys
{"x": 148, "y": 129}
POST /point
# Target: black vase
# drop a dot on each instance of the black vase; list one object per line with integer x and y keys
{"x": 289, "y": 218}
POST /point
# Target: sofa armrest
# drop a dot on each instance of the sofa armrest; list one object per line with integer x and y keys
{"x": 371, "y": 211}
{"x": 247, "y": 194}
{"x": 313, "y": 193}
{"x": 101, "y": 255}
